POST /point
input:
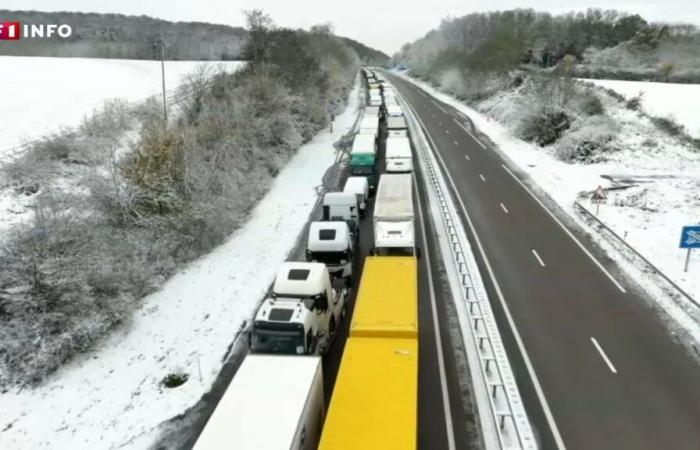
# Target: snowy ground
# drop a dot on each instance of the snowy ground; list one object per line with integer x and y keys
{"x": 32, "y": 106}
{"x": 664, "y": 195}
{"x": 113, "y": 397}
{"x": 40, "y": 95}
{"x": 663, "y": 99}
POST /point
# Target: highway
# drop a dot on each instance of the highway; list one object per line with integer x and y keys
{"x": 442, "y": 419}
{"x": 596, "y": 366}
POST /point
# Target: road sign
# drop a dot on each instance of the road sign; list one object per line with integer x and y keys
{"x": 690, "y": 236}
{"x": 599, "y": 195}
{"x": 690, "y": 239}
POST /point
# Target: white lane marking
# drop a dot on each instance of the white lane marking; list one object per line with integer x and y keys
{"x": 456, "y": 143}
{"x": 447, "y": 131}
{"x": 482, "y": 178}
{"x": 509, "y": 317}
{"x": 469, "y": 133}
{"x": 503, "y": 207}
{"x": 441, "y": 108}
{"x": 603, "y": 355}
{"x": 436, "y": 327}
{"x": 571, "y": 235}
{"x": 468, "y": 158}
{"x": 539, "y": 260}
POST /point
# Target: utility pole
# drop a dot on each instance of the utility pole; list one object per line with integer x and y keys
{"x": 162, "y": 71}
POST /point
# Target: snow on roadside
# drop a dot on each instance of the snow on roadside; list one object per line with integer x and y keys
{"x": 669, "y": 180}
{"x": 113, "y": 397}
{"x": 662, "y": 99}
{"x": 41, "y": 94}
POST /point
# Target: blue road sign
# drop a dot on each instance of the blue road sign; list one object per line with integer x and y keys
{"x": 690, "y": 237}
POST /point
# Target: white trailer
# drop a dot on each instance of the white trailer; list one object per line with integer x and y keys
{"x": 273, "y": 403}
{"x": 393, "y": 216}
{"x": 370, "y": 125}
{"x": 396, "y": 126}
{"x": 398, "y": 154}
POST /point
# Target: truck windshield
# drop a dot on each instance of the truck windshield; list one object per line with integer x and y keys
{"x": 267, "y": 340}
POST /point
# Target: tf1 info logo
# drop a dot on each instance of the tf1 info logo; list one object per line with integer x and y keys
{"x": 12, "y": 31}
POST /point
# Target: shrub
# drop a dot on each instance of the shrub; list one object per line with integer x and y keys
{"x": 591, "y": 104}
{"x": 592, "y": 142}
{"x": 544, "y": 127}
{"x": 668, "y": 125}
{"x": 635, "y": 103}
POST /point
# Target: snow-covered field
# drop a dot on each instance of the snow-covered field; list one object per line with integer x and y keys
{"x": 663, "y": 99}
{"x": 664, "y": 195}
{"x": 113, "y": 397}
{"x": 40, "y": 95}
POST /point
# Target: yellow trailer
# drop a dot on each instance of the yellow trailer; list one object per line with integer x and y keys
{"x": 374, "y": 402}
{"x": 387, "y": 301}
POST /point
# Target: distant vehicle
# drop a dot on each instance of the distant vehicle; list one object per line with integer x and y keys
{"x": 393, "y": 216}
{"x": 363, "y": 158}
{"x": 302, "y": 315}
{"x": 286, "y": 391}
{"x": 396, "y": 126}
{"x": 394, "y": 110}
{"x": 332, "y": 244}
{"x": 399, "y": 157}
{"x": 372, "y": 111}
{"x": 370, "y": 125}
{"x": 360, "y": 187}
{"x": 342, "y": 206}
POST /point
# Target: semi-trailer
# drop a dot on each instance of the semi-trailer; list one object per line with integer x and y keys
{"x": 393, "y": 220}
{"x": 398, "y": 156}
{"x": 363, "y": 158}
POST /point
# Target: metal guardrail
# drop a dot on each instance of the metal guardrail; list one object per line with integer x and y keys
{"x": 495, "y": 375}
{"x": 655, "y": 269}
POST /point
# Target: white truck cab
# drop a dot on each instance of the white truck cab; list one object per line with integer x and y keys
{"x": 302, "y": 314}
{"x": 331, "y": 243}
{"x": 360, "y": 187}
{"x": 342, "y": 206}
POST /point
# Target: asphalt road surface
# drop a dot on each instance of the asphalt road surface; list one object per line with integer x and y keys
{"x": 595, "y": 364}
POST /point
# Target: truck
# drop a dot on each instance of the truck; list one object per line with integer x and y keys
{"x": 302, "y": 314}
{"x": 375, "y": 397}
{"x": 398, "y": 154}
{"x": 372, "y": 111}
{"x": 393, "y": 225}
{"x": 396, "y": 126}
{"x": 331, "y": 243}
{"x": 360, "y": 187}
{"x": 285, "y": 392}
{"x": 386, "y": 305}
{"x": 370, "y": 125}
{"x": 363, "y": 158}
{"x": 342, "y": 206}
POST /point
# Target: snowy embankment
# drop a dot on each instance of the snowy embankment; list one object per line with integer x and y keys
{"x": 679, "y": 101}
{"x": 659, "y": 195}
{"x": 40, "y": 95}
{"x": 112, "y": 397}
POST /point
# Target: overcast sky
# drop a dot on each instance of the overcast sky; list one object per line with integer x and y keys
{"x": 382, "y": 24}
